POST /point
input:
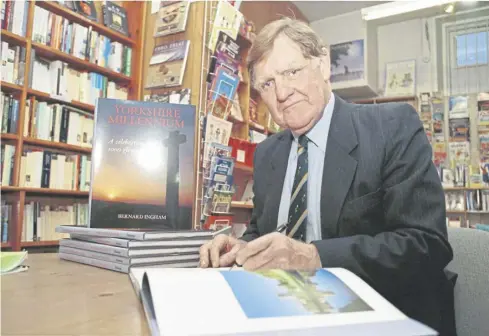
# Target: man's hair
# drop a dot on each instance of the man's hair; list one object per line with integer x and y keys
{"x": 298, "y": 31}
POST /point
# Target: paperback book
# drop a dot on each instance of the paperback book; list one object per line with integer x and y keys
{"x": 143, "y": 165}
{"x": 329, "y": 302}
{"x": 167, "y": 65}
{"x": 172, "y": 18}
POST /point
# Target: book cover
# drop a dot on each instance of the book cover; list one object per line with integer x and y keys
{"x": 172, "y": 18}
{"x": 87, "y": 8}
{"x": 167, "y": 65}
{"x": 143, "y": 165}
{"x": 115, "y": 17}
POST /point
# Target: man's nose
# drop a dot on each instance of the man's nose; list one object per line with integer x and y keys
{"x": 283, "y": 90}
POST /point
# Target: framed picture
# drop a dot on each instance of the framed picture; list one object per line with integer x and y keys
{"x": 347, "y": 61}
{"x": 400, "y": 78}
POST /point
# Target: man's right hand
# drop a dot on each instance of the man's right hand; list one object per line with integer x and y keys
{"x": 220, "y": 251}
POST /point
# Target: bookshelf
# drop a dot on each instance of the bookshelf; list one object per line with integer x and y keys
{"x": 15, "y": 194}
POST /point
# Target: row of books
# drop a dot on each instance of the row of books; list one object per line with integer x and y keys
{"x": 470, "y": 200}
{"x": 58, "y": 123}
{"x": 13, "y": 63}
{"x": 14, "y": 16}
{"x": 59, "y": 80}
{"x": 80, "y": 41}
{"x": 111, "y": 15}
{"x": 120, "y": 250}
{"x": 8, "y": 153}
{"x": 9, "y": 113}
{"x": 6, "y": 217}
{"x": 50, "y": 169}
{"x": 42, "y": 217}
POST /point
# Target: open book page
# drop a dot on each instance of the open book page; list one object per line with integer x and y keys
{"x": 221, "y": 302}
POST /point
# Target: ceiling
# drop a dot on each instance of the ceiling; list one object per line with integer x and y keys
{"x": 317, "y": 10}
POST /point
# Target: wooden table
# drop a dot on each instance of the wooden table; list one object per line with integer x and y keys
{"x": 58, "y": 297}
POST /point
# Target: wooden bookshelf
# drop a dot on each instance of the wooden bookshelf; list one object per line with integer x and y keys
{"x": 10, "y": 136}
{"x": 243, "y": 167}
{"x": 17, "y": 194}
{"x": 78, "y": 63}
{"x": 12, "y": 38}
{"x": 45, "y": 191}
{"x": 241, "y": 205}
{"x": 57, "y": 145}
{"x": 11, "y": 88}
{"x": 56, "y": 8}
{"x": 379, "y": 100}
{"x": 43, "y": 96}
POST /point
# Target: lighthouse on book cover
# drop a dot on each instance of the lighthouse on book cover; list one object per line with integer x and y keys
{"x": 142, "y": 165}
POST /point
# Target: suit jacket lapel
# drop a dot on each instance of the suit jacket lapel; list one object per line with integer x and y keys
{"x": 339, "y": 167}
{"x": 278, "y": 167}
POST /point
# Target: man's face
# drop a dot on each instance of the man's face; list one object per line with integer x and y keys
{"x": 295, "y": 89}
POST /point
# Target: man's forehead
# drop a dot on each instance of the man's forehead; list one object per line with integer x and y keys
{"x": 284, "y": 55}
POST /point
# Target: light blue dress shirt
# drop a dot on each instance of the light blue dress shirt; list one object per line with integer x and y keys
{"x": 318, "y": 137}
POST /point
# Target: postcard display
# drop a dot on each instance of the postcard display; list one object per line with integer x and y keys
{"x": 222, "y": 103}
{"x": 458, "y": 130}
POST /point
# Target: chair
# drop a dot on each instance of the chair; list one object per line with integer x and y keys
{"x": 471, "y": 263}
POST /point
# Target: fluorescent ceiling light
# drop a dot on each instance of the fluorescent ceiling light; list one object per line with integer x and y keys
{"x": 399, "y": 7}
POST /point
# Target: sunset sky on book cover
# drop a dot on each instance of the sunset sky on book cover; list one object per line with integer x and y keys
{"x": 137, "y": 180}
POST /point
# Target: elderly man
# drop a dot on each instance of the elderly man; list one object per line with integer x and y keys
{"x": 353, "y": 185}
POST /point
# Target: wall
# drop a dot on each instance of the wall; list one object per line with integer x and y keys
{"x": 262, "y": 12}
{"x": 420, "y": 39}
{"x": 395, "y": 42}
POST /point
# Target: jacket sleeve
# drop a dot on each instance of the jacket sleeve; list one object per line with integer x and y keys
{"x": 414, "y": 246}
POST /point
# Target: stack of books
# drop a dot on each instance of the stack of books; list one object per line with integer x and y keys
{"x": 120, "y": 250}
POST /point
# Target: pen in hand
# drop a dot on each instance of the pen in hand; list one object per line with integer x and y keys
{"x": 280, "y": 229}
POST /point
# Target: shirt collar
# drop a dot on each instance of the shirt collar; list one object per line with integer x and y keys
{"x": 319, "y": 133}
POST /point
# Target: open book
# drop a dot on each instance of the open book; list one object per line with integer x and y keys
{"x": 268, "y": 302}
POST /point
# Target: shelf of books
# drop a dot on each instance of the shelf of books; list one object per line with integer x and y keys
{"x": 58, "y": 57}
{"x": 457, "y": 126}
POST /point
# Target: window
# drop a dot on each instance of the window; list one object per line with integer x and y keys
{"x": 471, "y": 49}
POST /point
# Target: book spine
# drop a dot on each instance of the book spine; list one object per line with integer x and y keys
{"x": 101, "y": 232}
{"x": 102, "y": 240}
{"x": 118, "y": 251}
{"x": 46, "y": 169}
{"x": 94, "y": 262}
{"x": 94, "y": 255}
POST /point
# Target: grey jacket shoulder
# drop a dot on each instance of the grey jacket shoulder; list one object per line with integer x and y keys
{"x": 386, "y": 120}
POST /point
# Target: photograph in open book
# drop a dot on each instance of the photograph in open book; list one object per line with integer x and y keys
{"x": 276, "y": 293}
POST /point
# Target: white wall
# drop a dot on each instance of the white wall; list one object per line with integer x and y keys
{"x": 407, "y": 41}
{"x": 395, "y": 42}
{"x": 341, "y": 28}
{"x": 418, "y": 39}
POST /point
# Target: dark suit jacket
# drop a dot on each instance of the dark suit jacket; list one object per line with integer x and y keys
{"x": 382, "y": 206}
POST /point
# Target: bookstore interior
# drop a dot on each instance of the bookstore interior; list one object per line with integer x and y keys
{"x": 120, "y": 148}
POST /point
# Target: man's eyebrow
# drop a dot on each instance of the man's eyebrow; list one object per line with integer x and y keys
{"x": 291, "y": 65}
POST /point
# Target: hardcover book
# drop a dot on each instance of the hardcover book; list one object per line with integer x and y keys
{"x": 143, "y": 165}
{"x": 333, "y": 302}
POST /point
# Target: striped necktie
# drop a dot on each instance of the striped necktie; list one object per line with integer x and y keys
{"x": 298, "y": 199}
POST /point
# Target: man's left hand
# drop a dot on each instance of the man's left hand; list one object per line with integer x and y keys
{"x": 276, "y": 250}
